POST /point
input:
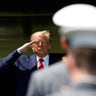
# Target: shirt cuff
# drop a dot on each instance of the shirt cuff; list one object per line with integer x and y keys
{"x": 19, "y": 51}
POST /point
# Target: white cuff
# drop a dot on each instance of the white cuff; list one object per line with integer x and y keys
{"x": 19, "y": 51}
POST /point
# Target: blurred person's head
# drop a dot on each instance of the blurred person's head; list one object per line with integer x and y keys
{"x": 64, "y": 42}
{"x": 41, "y": 43}
{"x": 64, "y": 46}
{"x": 78, "y": 23}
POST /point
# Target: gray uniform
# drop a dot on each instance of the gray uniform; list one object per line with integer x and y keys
{"x": 48, "y": 81}
{"x": 79, "y": 89}
{"x": 78, "y": 23}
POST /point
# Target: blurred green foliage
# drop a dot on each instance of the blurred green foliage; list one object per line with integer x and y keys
{"x": 12, "y": 36}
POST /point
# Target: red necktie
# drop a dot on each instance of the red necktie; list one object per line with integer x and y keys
{"x": 40, "y": 64}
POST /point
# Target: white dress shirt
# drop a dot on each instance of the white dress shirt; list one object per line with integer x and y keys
{"x": 45, "y": 62}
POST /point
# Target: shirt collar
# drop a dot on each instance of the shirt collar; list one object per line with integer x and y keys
{"x": 45, "y": 58}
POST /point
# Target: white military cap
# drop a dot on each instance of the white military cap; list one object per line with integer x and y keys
{"x": 78, "y": 23}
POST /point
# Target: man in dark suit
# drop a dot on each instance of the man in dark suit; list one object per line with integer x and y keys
{"x": 78, "y": 24}
{"x": 40, "y": 44}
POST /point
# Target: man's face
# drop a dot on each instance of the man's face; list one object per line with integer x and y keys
{"x": 40, "y": 45}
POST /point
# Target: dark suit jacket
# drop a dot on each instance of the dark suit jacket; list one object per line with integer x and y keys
{"x": 24, "y": 66}
{"x": 27, "y": 65}
{"x": 7, "y": 74}
{"x": 10, "y": 59}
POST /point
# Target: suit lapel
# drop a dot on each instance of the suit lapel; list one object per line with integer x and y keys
{"x": 33, "y": 62}
{"x": 52, "y": 60}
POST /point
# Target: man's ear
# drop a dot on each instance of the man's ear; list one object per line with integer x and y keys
{"x": 64, "y": 42}
{"x": 65, "y": 46}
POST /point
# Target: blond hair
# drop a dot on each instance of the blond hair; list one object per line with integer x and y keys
{"x": 45, "y": 33}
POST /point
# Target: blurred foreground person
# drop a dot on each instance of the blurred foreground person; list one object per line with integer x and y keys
{"x": 78, "y": 24}
{"x": 41, "y": 59}
{"x": 52, "y": 79}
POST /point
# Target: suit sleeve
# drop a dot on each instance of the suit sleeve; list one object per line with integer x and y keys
{"x": 10, "y": 59}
